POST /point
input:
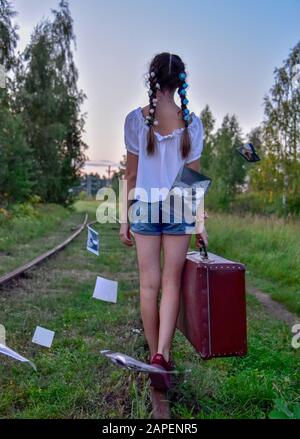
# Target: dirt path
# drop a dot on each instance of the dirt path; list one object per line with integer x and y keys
{"x": 275, "y": 308}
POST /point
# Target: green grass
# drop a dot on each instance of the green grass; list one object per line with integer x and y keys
{"x": 23, "y": 237}
{"x": 240, "y": 387}
{"x": 270, "y": 248}
{"x": 73, "y": 379}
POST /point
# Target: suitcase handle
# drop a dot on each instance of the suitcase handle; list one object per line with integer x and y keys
{"x": 203, "y": 248}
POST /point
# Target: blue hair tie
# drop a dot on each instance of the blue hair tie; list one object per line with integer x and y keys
{"x": 185, "y": 101}
{"x": 182, "y": 76}
{"x": 184, "y": 85}
{"x": 187, "y": 117}
{"x": 186, "y": 111}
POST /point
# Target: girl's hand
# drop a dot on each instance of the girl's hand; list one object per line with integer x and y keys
{"x": 124, "y": 234}
{"x": 202, "y": 236}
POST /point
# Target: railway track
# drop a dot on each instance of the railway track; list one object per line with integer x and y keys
{"x": 160, "y": 403}
{"x": 14, "y": 274}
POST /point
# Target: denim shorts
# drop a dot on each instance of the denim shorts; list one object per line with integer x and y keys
{"x": 156, "y": 219}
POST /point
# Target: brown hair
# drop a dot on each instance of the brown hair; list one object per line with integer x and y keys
{"x": 164, "y": 70}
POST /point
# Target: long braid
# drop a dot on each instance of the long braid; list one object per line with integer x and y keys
{"x": 185, "y": 140}
{"x": 167, "y": 72}
{"x": 150, "y": 120}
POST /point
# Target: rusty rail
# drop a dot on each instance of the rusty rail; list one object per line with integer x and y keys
{"x": 8, "y": 277}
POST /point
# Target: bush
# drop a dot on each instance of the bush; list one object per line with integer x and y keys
{"x": 35, "y": 199}
{"x": 83, "y": 196}
{"x": 253, "y": 202}
{"x": 5, "y": 215}
{"x": 24, "y": 209}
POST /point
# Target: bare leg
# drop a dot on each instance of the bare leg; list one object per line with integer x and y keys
{"x": 148, "y": 253}
{"x": 175, "y": 248}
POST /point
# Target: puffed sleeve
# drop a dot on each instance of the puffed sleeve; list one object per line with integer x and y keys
{"x": 197, "y": 135}
{"x": 131, "y": 138}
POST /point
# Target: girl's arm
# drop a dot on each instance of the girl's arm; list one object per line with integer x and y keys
{"x": 130, "y": 177}
{"x": 195, "y": 165}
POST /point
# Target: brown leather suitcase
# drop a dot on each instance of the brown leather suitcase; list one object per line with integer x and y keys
{"x": 212, "y": 313}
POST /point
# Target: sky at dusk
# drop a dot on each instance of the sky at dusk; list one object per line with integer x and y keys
{"x": 230, "y": 48}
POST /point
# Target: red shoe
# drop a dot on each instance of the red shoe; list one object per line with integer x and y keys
{"x": 161, "y": 380}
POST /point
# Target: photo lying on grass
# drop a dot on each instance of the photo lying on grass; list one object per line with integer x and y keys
{"x": 92, "y": 244}
{"x": 149, "y": 214}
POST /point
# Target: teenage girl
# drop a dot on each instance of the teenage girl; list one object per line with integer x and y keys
{"x": 160, "y": 138}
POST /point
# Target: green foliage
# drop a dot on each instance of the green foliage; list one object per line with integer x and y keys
{"x": 24, "y": 229}
{"x": 83, "y": 196}
{"x": 222, "y": 162}
{"x": 254, "y": 202}
{"x": 118, "y": 175}
{"x": 24, "y": 210}
{"x": 267, "y": 245}
{"x": 15, "y": 156}
{"x": 208, "y": 122}
{"x": 5, "y": 215}
{"x": 283, "y": 410}
{"x": 51, "y": 103}
{"x": 279, "y": 171}
{"x": 275, "y": 180}
{"x": 16, "y": 170}
{"x": 8, "y": 35}
{"x": 41, "y": 125}
{"x": 34, "y": 199}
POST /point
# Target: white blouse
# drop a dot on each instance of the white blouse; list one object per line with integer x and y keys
{"x": 160, "y": 169}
